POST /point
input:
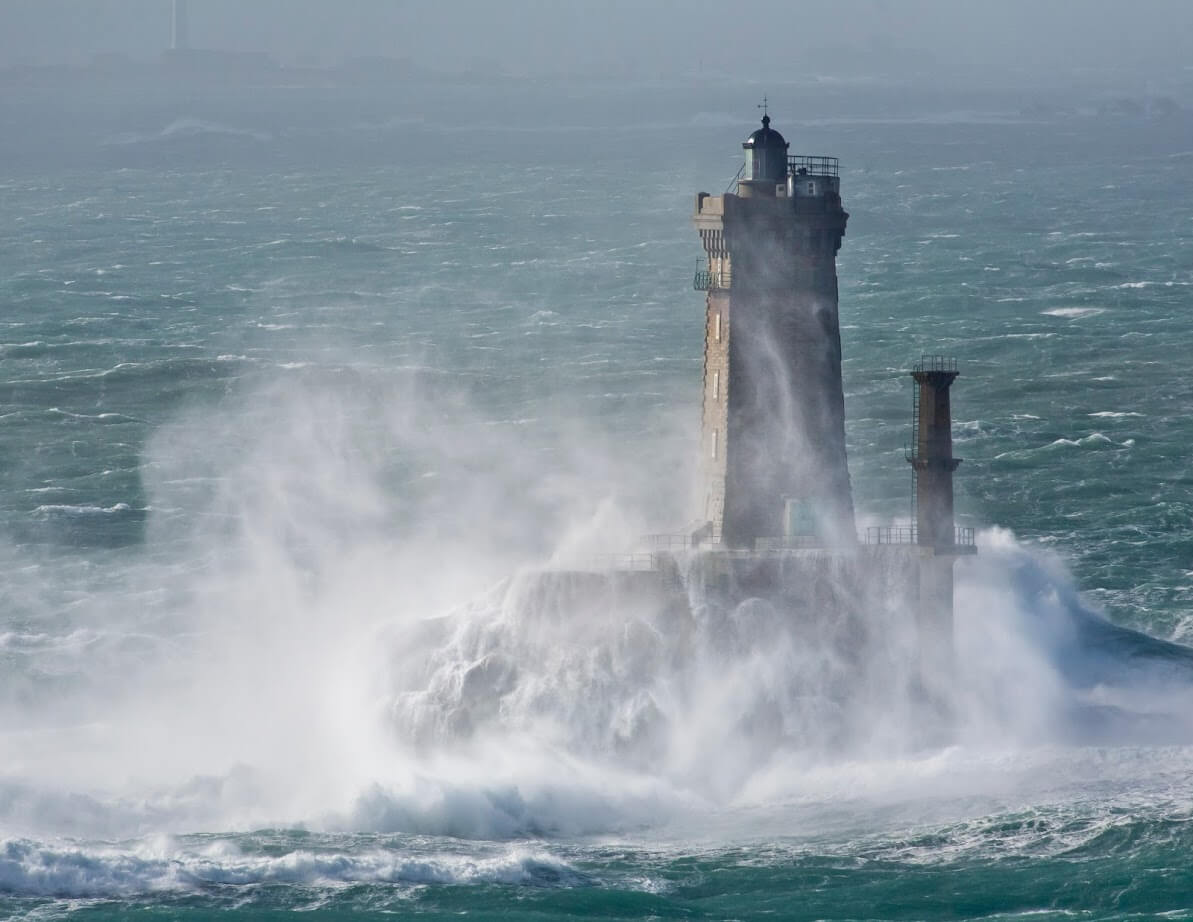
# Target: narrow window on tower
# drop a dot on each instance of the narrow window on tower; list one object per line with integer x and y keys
{"x": 717, "y": 325}
{"x": 714, "y": 444}
{"x": 716, "y": 385}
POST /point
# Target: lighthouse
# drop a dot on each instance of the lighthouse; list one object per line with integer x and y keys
{"x": 773, "y": 430}
{"x": 776, "y": 536}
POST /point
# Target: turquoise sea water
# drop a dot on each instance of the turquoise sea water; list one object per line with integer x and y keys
{"x": 295, "y": 386}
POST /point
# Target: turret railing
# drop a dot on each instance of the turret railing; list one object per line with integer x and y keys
{"x": 912, "y": 451}
{"x": 936, "y": 363}
{"x": 909, "y": 534}
{"x": 813, "y": 165}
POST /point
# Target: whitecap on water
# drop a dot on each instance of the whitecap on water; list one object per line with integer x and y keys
{"x": 62, "y": 509}
{"x": 1073, "y": 312}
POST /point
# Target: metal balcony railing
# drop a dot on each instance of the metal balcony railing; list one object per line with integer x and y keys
{"x": 813, "y": 165}
{"x": 711, "y": 281}
{"x": 679, "y": 542}
{"x": 909, "y": 534}
{"x": 891, "y": 534}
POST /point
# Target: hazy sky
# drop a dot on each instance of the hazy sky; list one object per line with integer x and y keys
{"x": 990, "y": 41}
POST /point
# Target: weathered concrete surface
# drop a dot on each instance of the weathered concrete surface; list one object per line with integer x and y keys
{"x": 774, "y": 407}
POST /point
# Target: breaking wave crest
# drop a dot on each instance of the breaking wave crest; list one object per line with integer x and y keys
{"x": 92, "y": 871}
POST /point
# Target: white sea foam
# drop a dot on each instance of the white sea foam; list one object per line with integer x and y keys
{"x": 1074, "y": 312}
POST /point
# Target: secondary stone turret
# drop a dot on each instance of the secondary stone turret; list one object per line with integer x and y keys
{"x": 935, "y": 532}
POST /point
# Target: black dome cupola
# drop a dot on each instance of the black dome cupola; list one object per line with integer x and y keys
{"x": 766, "y": 155}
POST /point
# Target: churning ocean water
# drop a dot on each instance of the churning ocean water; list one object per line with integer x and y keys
{"x": 299, "y": 392}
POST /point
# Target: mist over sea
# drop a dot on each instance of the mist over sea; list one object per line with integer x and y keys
{"x": 300, "y": 388}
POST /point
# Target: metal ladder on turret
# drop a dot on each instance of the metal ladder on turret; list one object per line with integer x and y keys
{"x": 913, "y": 452}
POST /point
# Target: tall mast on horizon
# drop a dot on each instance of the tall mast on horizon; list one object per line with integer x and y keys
{"x": 181, "y": 39}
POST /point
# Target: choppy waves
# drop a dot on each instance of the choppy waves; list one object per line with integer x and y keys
{"x": 63, "y": 870}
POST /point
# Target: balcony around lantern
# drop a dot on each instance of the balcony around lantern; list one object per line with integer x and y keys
{"x": 813, "y": 165}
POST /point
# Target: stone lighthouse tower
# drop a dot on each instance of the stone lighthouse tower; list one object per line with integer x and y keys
{"x": 774, "y": 408}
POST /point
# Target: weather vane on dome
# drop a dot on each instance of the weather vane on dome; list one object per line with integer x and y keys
{"x": 762, "y": 107}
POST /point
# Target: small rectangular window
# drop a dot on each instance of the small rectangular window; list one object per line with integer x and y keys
{"x": 714, "y": 444}
{"x": 717, "y": 325}
{"x": 716, "y": 385}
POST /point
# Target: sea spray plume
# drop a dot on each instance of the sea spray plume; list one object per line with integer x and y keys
{"x": 354, "y": 459}
{"x": 717, "y": 696}
{"x": 402, "y": 490}
{"x": 700, "y": 687}
{"x": 549, "y": 663}
{"x": 1040, "y": 664}
{"x": 349, "y": 649}
{"x": 287, "y": 521}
